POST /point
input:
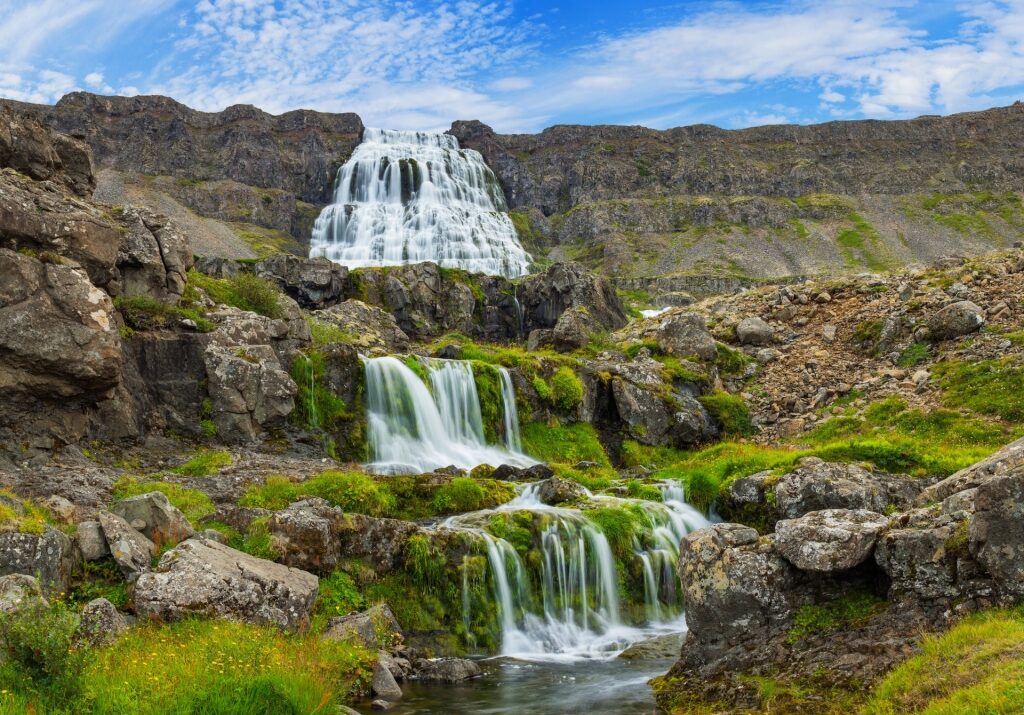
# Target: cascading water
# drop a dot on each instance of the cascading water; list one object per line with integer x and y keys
{"x": 565, "y": 604}
{"x": 407, "y": 197}
{"x": 413, "y": 429}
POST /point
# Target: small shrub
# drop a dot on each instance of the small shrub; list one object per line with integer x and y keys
{"x": 205, "y": 463}
{"x": 42, "y": 647}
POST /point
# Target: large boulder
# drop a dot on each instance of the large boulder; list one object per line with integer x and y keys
{"x": 816, "y": 485}
{"x": 997, "y": 531}
{"x": 132, "y": 551}
{"x": 829, "y": 540}
{"x": 955, "y": 320}
{"x": 383, "y": 684}
{"x": 49, "y": 557}
{"x": 101, "y": 622}
{"x": 754, "y": 331}
{"x": 367, "y": 326}
{"x": 375, "y": 628}
{"x": 446, "y": 670}
{"x": 91, "y": 542}
{"x": 205, "y": 578}
{"x": 312, "y": 282}
{"x": 163, "y": 523}
{"x": 42, "y": 153}
{"x": 555, "y": 490}
{"x": 686, "y": 334}
{"x": 17, "y": 590}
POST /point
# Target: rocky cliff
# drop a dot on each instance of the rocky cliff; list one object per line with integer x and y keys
{"x": 763, "y": 202}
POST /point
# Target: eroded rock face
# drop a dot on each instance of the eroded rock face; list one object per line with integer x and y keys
{"x": 41, "y": 153}
{"x": 545, "y": 297}
{"x": 50, "y": 557}
{"x": 200, "y": 577}
{"x": 154, "y": 256}
{"x": 817, "y": 485}
{"x": 368, "y": 326}
{"x": 313, "y": 282}
{"x": 132, "y": 551}
{"x": 829, "y": 540}
{"x": 955, "y": 320}
{"x": 997, "y": 531}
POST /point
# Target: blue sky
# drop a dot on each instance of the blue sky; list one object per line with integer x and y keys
{"x": 521, "y": 66}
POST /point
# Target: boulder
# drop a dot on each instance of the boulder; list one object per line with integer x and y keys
{"x": 367, "y": 327}
{"x": 163, "y": 523}
{"x": 446, "y": 670}
{"x": 573, "y": 330}
{"x": 50, "y": 557}
{"x": 205, "y": 578}
{"x": 375, "y": 628}
{"x": 754, "y": 331}
{"x": 686, "y": 334}
{"x": 997, "y": 531}
{"x": 829, "y": 540}
{"x": 816, "y": 485}
{"x": 132, "y": 551}
{"x": 955, "y": 320}
{"x": 918, "y": 563}
{"x": 312, "y": 282}
{"x": 651, "y": 419}
{"x": 91, "y": 541}
{"x": 539, "y": 339}
{"x": 382, "y": 683}
{"x": 18, "y": 589}
{"x": 509, "y": 473}
{"x": 662, "y": 647}
{"x": 101, "y": 623}
{"x": 555, "y": 490}
{"x": 1007, "y": 460}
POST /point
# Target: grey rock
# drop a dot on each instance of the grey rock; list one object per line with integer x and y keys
{"x": 200, "y": 577}
{"x": 446, "y": 670}
{"x": 754, "y": 331}
{"x": 383, "y": 683}
{"x": 829, "y": 540}
{"x": 656, "y": 648}
{"x": 368, "y": 326}
{"x": 381, "y": 704}
{"x": 556, "y": 490}
{"x": 997, "y": 531}
{"x": 17, "y": 590}
{"x": 312, "y": 282}
{"x": 1007, "y": 460}
{"x": 91, "y": 541}
{"x": 162, "y": 522}
{"x": 132, "y": 551}
{"x": 685, "y": 335}
{"x": 50, "y": 557}
{"x": 955, "y": 320}
{"x": 101, "y": 622}
{"x": 375, "y": 628}
{"x": 817, "y": 485}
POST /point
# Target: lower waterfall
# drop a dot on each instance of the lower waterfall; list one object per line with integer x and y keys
{"x": 414, "y": 429}
{"x": 566, "y": 603}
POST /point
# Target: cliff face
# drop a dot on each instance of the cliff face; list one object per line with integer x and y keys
{"x": 265, "y": 175}
{"x": 764, "y": 202}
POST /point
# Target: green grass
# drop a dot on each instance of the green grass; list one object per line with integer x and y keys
{"x": 620, "y": 525}
{"x": 338, "y": 596}
{"x": 848, "y": 611}
{"x": 245, "y": 291}
{"x": 205, "y": 463}
{"x": 146, "y": 313}
{"x": 459, "y": 495}
{"x": 563, "y": 444}
{"x": 194, "y": 504}
{"x": 22, "y": 515}
{"x": 914, "y": 355}
{"x": 991, "y": 387}
{"x": 196, "y": 666}
{"x": 977, "y": 668}
{"x": 327, "y": 334}
{"x": 730, "y": 411}
{"x": 566, "y": 389}
{"x": 351, "y": 491}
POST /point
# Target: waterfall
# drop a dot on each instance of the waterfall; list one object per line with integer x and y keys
{"x": 510, "y": 413}
{"x": 407, "y": 197}
{"x": 566, "y": 603}
{"x": 412, "y": 429}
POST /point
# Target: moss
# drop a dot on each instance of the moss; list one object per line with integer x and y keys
{"x": 730, "y": 411}
{"x": 620, "y": 525}
{"x": 914, "y": 355}
{"x": 564, "y": 444}
{"x": 22, "y": 515}
{"x": 146, "y": 313}
{"x": 327, "y": 334}
{"x": 316, "y": 406}
{"x": 204, "y": 463}
{"x": 194, "y": 504}
{"x": 731, "y": 362}
{"x": 543, "y": 390}
{"x": 351, "y": 491}
{"x": 866, "y": 335}
{"x": 459, "y": 495}
{"x": 492, "y": 410}
{"x": 244, "y": 291}
{"x": 515, "y": 528}
{"x": 566, "y": 389}
{"x": 638, "y": 490}
{"x": 848, "y": 611}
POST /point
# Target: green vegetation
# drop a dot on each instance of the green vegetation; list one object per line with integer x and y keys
{"x": 730, "y": 411}
{"x": 990, "y": 387}
{"x": 327, "y": 334}
{"x": 194, "y": 504}
{"x": 977, "y": 668}
{"x": 620, "y": 525}
{"x": 731, "y": 362}
{"x": 338, "y": 596}
{"x": 316, "y": 407}
{"x": 513, "y": 527}
{"x": 245, "y": 291}
{"x": 566, "y": 389}
{"x": 145, "y": 313}
{"x": 860, "y": 245}
{"x": 21, "y": 515}
{"x": 563, "y": 444}
{"x": 914, "y": 355}
{"x": 192, "y": 667}
{"x": 638, "y": 490}
{"x": 459, "y": 495}
{"x": 204, "y": 463}
{"x": 265, "y": 241}
{"x": 848, "y": 611}
{"x": 101, "y": 579}
{"x": 351, "y": 491}
{"x": 492, "y": 409}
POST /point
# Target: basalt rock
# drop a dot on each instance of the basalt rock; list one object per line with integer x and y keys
{"x": 154, "y": 256}
{"x": 817, "y": 485}
{"x": 132, "y": 551}
{"x": 162, "y": 522}
{"x": 367, "y": 326}
{"x": 955, "y": 320}
{"x": 545, "y": 297}
{"x": 312, "y": 282}
{"x": 829, "y": 540}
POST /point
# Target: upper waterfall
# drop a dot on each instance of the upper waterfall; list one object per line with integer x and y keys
{"x": 408, "y": 197}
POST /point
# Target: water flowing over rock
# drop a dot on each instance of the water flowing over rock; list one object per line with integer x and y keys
{"x": 407, "y": 197}
{"x": 416, "y": 430}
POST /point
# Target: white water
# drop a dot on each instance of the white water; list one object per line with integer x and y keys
{"x": 412, "y": 429}
{"x": 407, "y": 197}
{"x": 575, "y": 613}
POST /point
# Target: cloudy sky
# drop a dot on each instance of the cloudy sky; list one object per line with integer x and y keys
{"x": 524, "y": 65}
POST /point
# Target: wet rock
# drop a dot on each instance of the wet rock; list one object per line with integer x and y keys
{"x": 312, "y": 282}
{"x": 509, "y": 473}
{"x": 556, "y": 490}
{"x": 375, "y": 628}
{"x": 657, "y": 648}
{"x": 132, "y": 551}
{"x": 162, "y": 523}
{"x": 50, "y": 557}
{"x": 383, "y": 684}
{"x": 205, "y": 578}
{"x": 754, "y": 331}
{"x": 446, "y": 670}
{"x": 17, "y": 590}
{"x": 101, "y": 622}
{"x": 686, "y": 335}
{"x": 829, "y": 540}
{"x": 955, "y": 320}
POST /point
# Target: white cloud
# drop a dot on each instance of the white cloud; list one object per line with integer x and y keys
{"x": 511, "y": 84}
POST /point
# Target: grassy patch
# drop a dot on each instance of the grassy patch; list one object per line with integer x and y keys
{"x": 730, "y": 411}
{"x": 563, "y": 444}
{"x": 566, "y": 389}
{"x": 22, "y": 515}
{"x": 848, "y": 611}
{"x": 145, "y": 313}
{"x": 976, "y": 668}
{"x": 351, "y": 491}
{"x": 193, "y": 503}
{"x": 338, "y": 596}
{"x": 245, "y": 291}
{"x": 205, "y": 463}
{"x": 991, "y": 387}
{"x": 914, "y": 355}
{"x": 316, "y": 407}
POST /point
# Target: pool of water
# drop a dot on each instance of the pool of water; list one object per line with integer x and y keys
{"x": 513, "y": 687}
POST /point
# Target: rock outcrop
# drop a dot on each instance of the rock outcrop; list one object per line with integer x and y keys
{"x": 829, "y": 540}
{"x": 50, "y": 557}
